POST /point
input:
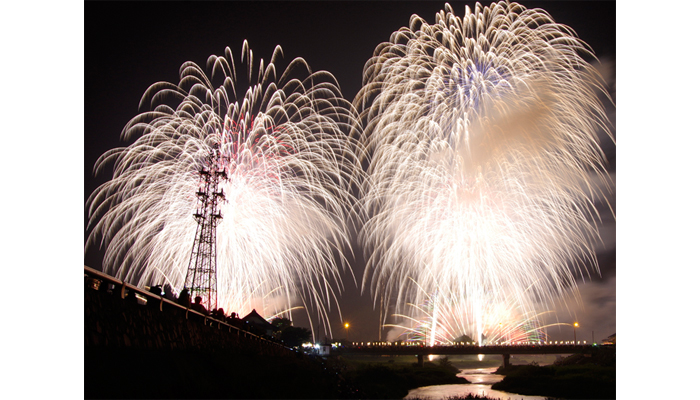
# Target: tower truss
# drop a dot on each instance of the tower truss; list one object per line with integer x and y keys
{"x": 201, "y": 271}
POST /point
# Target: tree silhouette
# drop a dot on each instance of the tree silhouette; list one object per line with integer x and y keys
{"x": 464, "y": 338}
{"x": 279, "y": 325}
{"x": 294, "y": 336}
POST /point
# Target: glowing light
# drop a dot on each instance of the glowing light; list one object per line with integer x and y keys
{"x": 287, "y": 145}
{"x": 484, "y": 165}
{"x": 451, "y": 321}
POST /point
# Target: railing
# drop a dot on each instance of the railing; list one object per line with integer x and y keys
{"x": 464, "y": 349}
{"x": 95, "y": 279}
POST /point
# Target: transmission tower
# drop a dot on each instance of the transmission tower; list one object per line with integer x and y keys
{"x": 201, "y": 271}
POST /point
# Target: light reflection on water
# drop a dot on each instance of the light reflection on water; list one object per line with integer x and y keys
{"x": 481, "y": 378}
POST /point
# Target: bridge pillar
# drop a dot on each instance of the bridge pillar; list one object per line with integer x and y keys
{"x": 420, "y": 360}
{"x": 506, "y": 358}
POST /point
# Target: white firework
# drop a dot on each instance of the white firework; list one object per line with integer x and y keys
{"x": 289, "y": 143}
{"x": 441, "y": 320}
{"x": 484, "y": 161}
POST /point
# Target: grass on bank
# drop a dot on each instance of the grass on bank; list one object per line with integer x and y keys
{"x": 392, "y": 377}
{"x": 575, "y": 377}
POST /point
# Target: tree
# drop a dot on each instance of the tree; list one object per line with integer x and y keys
{"x": 280, "y": 324}
{"x": 445, "y": 363}
{"x": 294, "y": 336}
{"x": 464, "y": 338}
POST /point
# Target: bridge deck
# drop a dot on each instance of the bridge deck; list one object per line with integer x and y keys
{"x": 447, "y": 350}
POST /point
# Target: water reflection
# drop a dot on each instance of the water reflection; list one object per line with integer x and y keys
{"x": 481, "y": 378}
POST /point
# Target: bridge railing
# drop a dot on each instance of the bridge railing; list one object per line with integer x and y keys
{"x": 467, "y": 349}
{"x": 95, "y": 279}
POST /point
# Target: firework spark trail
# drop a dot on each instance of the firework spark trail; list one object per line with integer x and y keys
{"x": 440, "y": 320}
{"x": 290, "y": 146}
{"x": 484, "y": 162}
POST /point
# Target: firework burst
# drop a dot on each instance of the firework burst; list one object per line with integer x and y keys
{"x": 443, "y": 321}
{"x": 484, "y": 162}
{"x": 287, "y": 145}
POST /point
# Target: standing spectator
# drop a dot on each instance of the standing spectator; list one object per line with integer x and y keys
{"x": 168, "y": 292}
{"x": 184, "y": 298}
{"x": 199, "y": 307}
{"x": 156, "y": 290}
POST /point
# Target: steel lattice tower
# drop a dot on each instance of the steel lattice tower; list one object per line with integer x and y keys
{"x": 201, "y": 272}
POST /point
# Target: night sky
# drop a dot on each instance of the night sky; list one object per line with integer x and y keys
{"x": 129, "y": 46}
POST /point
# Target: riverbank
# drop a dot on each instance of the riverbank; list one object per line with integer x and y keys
{"x": 392, "y": 378}
{"x": 575, "y": 377}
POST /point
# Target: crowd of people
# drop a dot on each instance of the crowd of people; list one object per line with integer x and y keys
{"x": 184, "y": 299}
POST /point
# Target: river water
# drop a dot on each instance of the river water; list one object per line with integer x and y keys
{"x": 481, "y": 378}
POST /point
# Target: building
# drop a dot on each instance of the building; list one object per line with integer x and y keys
{"x": 257, "y": 324}
{"x": 610, "y": 339}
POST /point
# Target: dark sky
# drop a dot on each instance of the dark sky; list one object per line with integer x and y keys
{"x": 130, "y": 45}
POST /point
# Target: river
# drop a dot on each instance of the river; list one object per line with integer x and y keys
{"x": 481, "y": 378}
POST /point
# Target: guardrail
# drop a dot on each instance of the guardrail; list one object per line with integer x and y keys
{"x": 455, "y": 350}
{"x": 95, "y": 279}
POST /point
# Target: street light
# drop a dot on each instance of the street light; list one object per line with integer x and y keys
{"x": 575, "y": 326}
{"x": 347, "y": 331}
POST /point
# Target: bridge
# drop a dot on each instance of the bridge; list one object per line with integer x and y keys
{"x": 505, "y": 350}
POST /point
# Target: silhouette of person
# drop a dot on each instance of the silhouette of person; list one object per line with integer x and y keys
{"x": 156, "y": 290}
{"x": 131, "y": 297}
{"x": 198, "y": 306}
{"x": 168, "y": 292}
{"x": 184, "y": 298}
